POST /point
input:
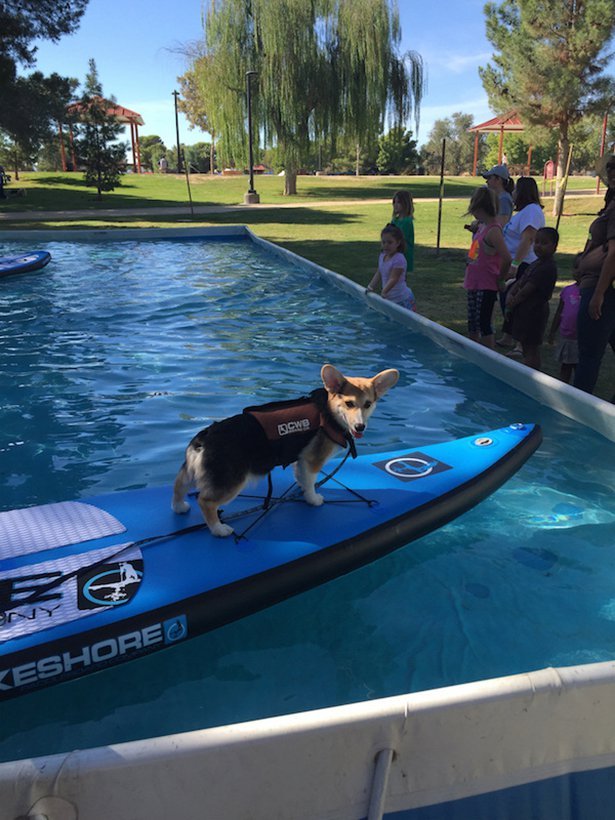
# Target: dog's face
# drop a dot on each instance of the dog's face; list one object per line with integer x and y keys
{"x": 352, "y": 400}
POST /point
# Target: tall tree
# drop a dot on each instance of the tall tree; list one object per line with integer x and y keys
{"x": 323, "y": 68}
{"x": 151, "y": 148}
{"x": 22, "y": 22}
{"x": 35, "y": 103}
{"x": 459, "y": 152}
{"x": 397, "y": 152}
{"x": 549, "y": 63}
{"x": 98, "y": 132}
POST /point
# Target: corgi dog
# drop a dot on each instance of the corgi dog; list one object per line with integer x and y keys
{"x": 306, "y": 432}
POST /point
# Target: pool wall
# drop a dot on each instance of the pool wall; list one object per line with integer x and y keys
{"x": 540, "y": 744}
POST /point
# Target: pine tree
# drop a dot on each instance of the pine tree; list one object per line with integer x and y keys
{"x": 324, "y": 68}
{"x": 549, "y": 63}
{"x": 101, "y": 156}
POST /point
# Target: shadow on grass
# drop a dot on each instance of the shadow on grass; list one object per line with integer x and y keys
{"x": 228, "y": 215}
{"x": 386, "y": 190}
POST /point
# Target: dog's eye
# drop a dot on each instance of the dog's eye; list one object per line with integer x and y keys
{"x": 367, "y": 404}
{"x": 350, "y": 404}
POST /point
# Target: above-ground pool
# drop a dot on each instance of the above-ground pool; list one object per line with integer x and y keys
{"x": 117, "y": 353}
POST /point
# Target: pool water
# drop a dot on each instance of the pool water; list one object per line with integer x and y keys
{"x": 116, "y": 354}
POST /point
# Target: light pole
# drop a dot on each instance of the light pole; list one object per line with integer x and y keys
{"x": 179, "y": 156}
{"x": 251, "y": 198}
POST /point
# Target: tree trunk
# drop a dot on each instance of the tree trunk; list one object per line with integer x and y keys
{"x": 562, "y": 159}
{"x": 212, "y": 153}
{"x": 290, "y": 182}
{"x": 358, "y": 161}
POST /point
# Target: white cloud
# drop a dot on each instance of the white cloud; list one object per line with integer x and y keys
{"x": 457, "y": 63}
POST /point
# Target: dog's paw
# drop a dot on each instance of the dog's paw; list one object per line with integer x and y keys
{"x": 222, "y": 530}
{"x": 314, "y": 499}
{"x": 180, "y": 507}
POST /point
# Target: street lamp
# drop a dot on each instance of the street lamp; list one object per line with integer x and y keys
{"x": 251, "y": 198}
{"x": 179, "y": 156}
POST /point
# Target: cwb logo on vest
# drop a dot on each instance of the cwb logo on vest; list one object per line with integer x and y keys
{"x": 412, "y": 466}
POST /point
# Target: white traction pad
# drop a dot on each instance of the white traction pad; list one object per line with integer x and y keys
{"x": 35, "y": 529}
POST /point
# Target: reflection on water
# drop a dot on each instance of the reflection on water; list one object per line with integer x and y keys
{"x": 115, "y": 355}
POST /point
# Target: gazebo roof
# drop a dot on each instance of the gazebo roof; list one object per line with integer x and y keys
{"x": 507, "y": 122}
{"x": 121, "y": 114}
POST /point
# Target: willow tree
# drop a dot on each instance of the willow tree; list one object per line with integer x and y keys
{"x": 324, "y": 68}
{"x": 549, "y": 63}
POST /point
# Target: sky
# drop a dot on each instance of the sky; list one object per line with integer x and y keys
{"x": 137, "y": 46}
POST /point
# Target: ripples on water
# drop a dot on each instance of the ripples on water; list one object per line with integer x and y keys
{"x": 116, "y": 354}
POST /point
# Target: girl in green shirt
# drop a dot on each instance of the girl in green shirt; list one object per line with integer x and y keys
{"x": 403, "y": 217}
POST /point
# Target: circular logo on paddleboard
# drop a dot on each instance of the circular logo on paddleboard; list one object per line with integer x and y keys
{"x": 110, "y": 584}
{"x": 409, "y": 467}
{"x": 483, "y": 441}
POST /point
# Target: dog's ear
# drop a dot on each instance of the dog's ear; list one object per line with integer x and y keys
{"x": 385, "y": 381}
{"x": 332, "y": 379}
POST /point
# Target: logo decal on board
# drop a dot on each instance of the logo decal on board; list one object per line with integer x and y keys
{"x": 175, "y": 629}
{"x": 109, "y": 584}
{"x": 412, "y": 466}
{"x": 483, "y": 441}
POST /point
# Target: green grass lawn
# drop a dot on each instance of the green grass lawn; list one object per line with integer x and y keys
{"x": 66, "y": 192}
{"x": 343, "y": 237}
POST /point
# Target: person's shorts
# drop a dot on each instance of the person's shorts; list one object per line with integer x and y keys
{"x": 567, "y": 351}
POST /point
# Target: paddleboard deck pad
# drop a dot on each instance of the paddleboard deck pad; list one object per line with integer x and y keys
{"x": 24, "y": 262}
{"x": 85, "y": 585}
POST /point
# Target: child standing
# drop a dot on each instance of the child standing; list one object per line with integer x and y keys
{"x": 565, "y": 319}
{"x": 392, "y": 266}
{"x": 527, "y": 302}
{"x": 488, "y": 260}
{"x": 403, "y": 218}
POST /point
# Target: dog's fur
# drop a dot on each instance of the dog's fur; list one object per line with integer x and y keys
{"x": 221, "y": 459}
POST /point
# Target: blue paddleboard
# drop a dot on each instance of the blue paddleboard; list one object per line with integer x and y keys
{"x": 24, "y": 262}
{"x": 88, "y": 584}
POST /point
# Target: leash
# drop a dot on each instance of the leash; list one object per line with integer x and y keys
{"x": 270, "y": 504}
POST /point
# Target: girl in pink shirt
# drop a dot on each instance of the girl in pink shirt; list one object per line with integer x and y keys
{"x": 488, "y": 261}
{"x": 567, "y": 353}
{"x": 392, "y": 267}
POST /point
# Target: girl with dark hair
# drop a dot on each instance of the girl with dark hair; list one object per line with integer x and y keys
{"x": 403, "y": 218}
{"x": 392, "y": 266}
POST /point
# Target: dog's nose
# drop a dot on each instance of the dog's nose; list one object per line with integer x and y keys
{"x": 359, "y": 428}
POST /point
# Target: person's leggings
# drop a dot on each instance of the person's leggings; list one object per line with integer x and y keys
{"x": 480, "y": 311}
{"x": 593, "y": 337}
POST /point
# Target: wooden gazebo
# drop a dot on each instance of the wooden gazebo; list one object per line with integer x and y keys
{"x": 123, "y": 115}
{"x": 509, "y": 122}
